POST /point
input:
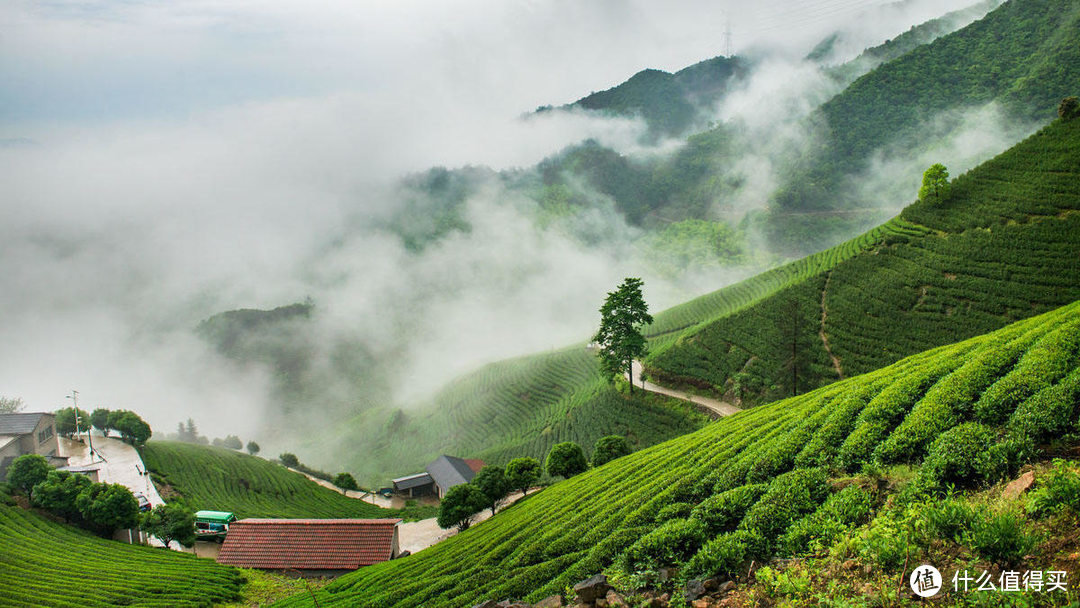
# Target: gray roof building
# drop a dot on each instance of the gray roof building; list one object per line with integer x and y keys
{"x": 28, "y": 433}
{"x": 449, "y": 471}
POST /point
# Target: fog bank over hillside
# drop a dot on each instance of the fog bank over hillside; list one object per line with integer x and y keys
{"x": 179, "y": 160}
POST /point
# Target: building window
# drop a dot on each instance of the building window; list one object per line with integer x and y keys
{"x": 44, "y": 434}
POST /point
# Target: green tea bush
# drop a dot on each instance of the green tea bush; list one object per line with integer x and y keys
{"x": 1048, "y": 412}
{"x": 1004, "y": 459}
{"x": 887, "y": 540}
{"x": 1001, "y": 539}
{"x": 820, "y": 529}
{"x": 789, "y": 497}
{"x": 678, "y": 510}
{"x": 1058, "y": 490}
{"x": 1049, "y": 360}
{"x": 724, "y": 511}
{"x": 955, "y": 456}
{"x": 727, "y": 554}
{"x": 668, "y": 545}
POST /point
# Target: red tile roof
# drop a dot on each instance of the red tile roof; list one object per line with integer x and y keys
{"x": 474, "y": 464}
{"x": 308, "y": 544}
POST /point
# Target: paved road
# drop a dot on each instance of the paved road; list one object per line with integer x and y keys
{"x": 720, "y": 408}
{"x": 118, "y": 462}
{"x": 416, "y": 536}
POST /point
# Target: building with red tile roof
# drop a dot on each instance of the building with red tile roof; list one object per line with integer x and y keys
{"x": 312, "y": 547}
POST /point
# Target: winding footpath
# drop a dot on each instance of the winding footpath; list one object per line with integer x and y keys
{"x": 717, "y": 407}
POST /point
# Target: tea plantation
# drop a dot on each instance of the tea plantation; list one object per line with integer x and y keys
{"x": 518, "y": 407}
{"x": 1000, "y": 246}
{"x": 43, "y": 563}
{"x": 219, "y": 479}
{"x": 761, "y": 483}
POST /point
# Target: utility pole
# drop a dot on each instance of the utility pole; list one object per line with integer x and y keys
{"x": 725, "y": 41}
{"x": 74, "y": 396}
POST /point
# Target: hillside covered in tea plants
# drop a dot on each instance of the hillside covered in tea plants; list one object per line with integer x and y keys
{"x": 999, "y": 246}
{"x": 219, "y": 479}
{"x": 44, "y": 563}
{"x": 770, "y": 481}
{"x": 518, "y": 407}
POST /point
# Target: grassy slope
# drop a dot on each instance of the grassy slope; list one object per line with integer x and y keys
{"x": 50, "y": 564}
{"x": 578, "y": 527}
{"x": 519, "y": 407}
{"x": 1001, "y": 246}
{"x": 219, "y": 479}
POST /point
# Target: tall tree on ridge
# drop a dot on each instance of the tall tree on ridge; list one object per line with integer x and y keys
{"x": 620, "y": 339}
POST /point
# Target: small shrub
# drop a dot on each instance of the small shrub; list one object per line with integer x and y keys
{"x": 670, "y": 544}
{"x": 1001, "y": 539}
{"x": 822, "y": 527}
{"x": 1057, "y": 491}
{"x": 1069, "y": 108}
{"x": 887, "y": 540}
{"x": 724, "y": 511}
{"x": 678, "y": 510}
{"x": 955, "y": 456}
{"x": 948, "y": 519}
{"x": 726, "y": 555}
{"x": 789, "y": 497}
{"x": 1004, "y": 459}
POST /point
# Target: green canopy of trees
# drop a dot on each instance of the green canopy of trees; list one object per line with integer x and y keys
{"x": 459, "y": 505}
{"x": 566, "y": 459}
{"x": 609, "y": 448}
{"x": 521, "y": 473}
{"x": 170, "y": 522}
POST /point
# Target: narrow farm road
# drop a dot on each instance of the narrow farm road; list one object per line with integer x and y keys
{"x": 720, "y": 408}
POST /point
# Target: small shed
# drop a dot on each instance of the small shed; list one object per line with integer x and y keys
{"x": 311, "y": 547}
{"x": 415, "y": 486}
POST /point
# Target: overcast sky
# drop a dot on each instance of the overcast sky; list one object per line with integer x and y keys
{"x": 161, "y": 161}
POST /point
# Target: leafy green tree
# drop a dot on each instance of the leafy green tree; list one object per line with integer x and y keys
{"x": 521, "y": 473}
{"x": 934, "y": 182}
{"x": 100, "y": 420}
{"x": 107, "y": 508}
{"x": 233, "y": 442}
{"x": 289, "y": 459}
{"x": 492, "y": 483}
{"x": 10, "y": 405}
{"x": 1069, "y": 108}
{"x": 566, "y": 459}
{"x": 27, "y": 471}
{"x": 58, "y": 492}
{"x": 253, "y": 448}
{"x": 620, "y": 339}
{"x": 459, "y": 505}
{"x": 65, "y": 421}
{"x": 133, "y": 429}
{"x": 609, "y": 448}
{"x": 170, "y": 522}
{"x": 346, "y": 481}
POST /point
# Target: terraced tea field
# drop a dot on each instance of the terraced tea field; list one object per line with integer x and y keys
{"x": 219, "y": 479}
{"x": 1001, "y": 246}
{"x": 579, "y": 527}
{"x": 43, "y": 563}
{"x": 519, "y": 407}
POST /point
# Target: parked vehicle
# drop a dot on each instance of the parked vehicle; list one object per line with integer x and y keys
{"x": 212, "y": 525}
{"x": 144, "y": 502}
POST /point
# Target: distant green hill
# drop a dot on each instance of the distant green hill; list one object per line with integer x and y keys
{"x": 518, "y": 407}
{"x": 1001, "y": 246}
{"x": 671, "y": 104}
{"x": 44, "y": 563}
{"x": 716, "y": 499}
{"x": 1025, "y": 55}
{"x": 219, "y": 479}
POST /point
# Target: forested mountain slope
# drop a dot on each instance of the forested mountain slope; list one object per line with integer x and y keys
{"x": 1001, "y": 245}
{"x": 714, "y": 500}
{"x": 1024, "y": 55}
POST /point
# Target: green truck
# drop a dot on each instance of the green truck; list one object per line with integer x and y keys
{"x": 212, "y": 525}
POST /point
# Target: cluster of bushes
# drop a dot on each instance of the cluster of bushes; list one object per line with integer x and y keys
{"x": 100, "y": 507}
{"x": 132, "y": 428}
{"x": 491, "y": 484}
